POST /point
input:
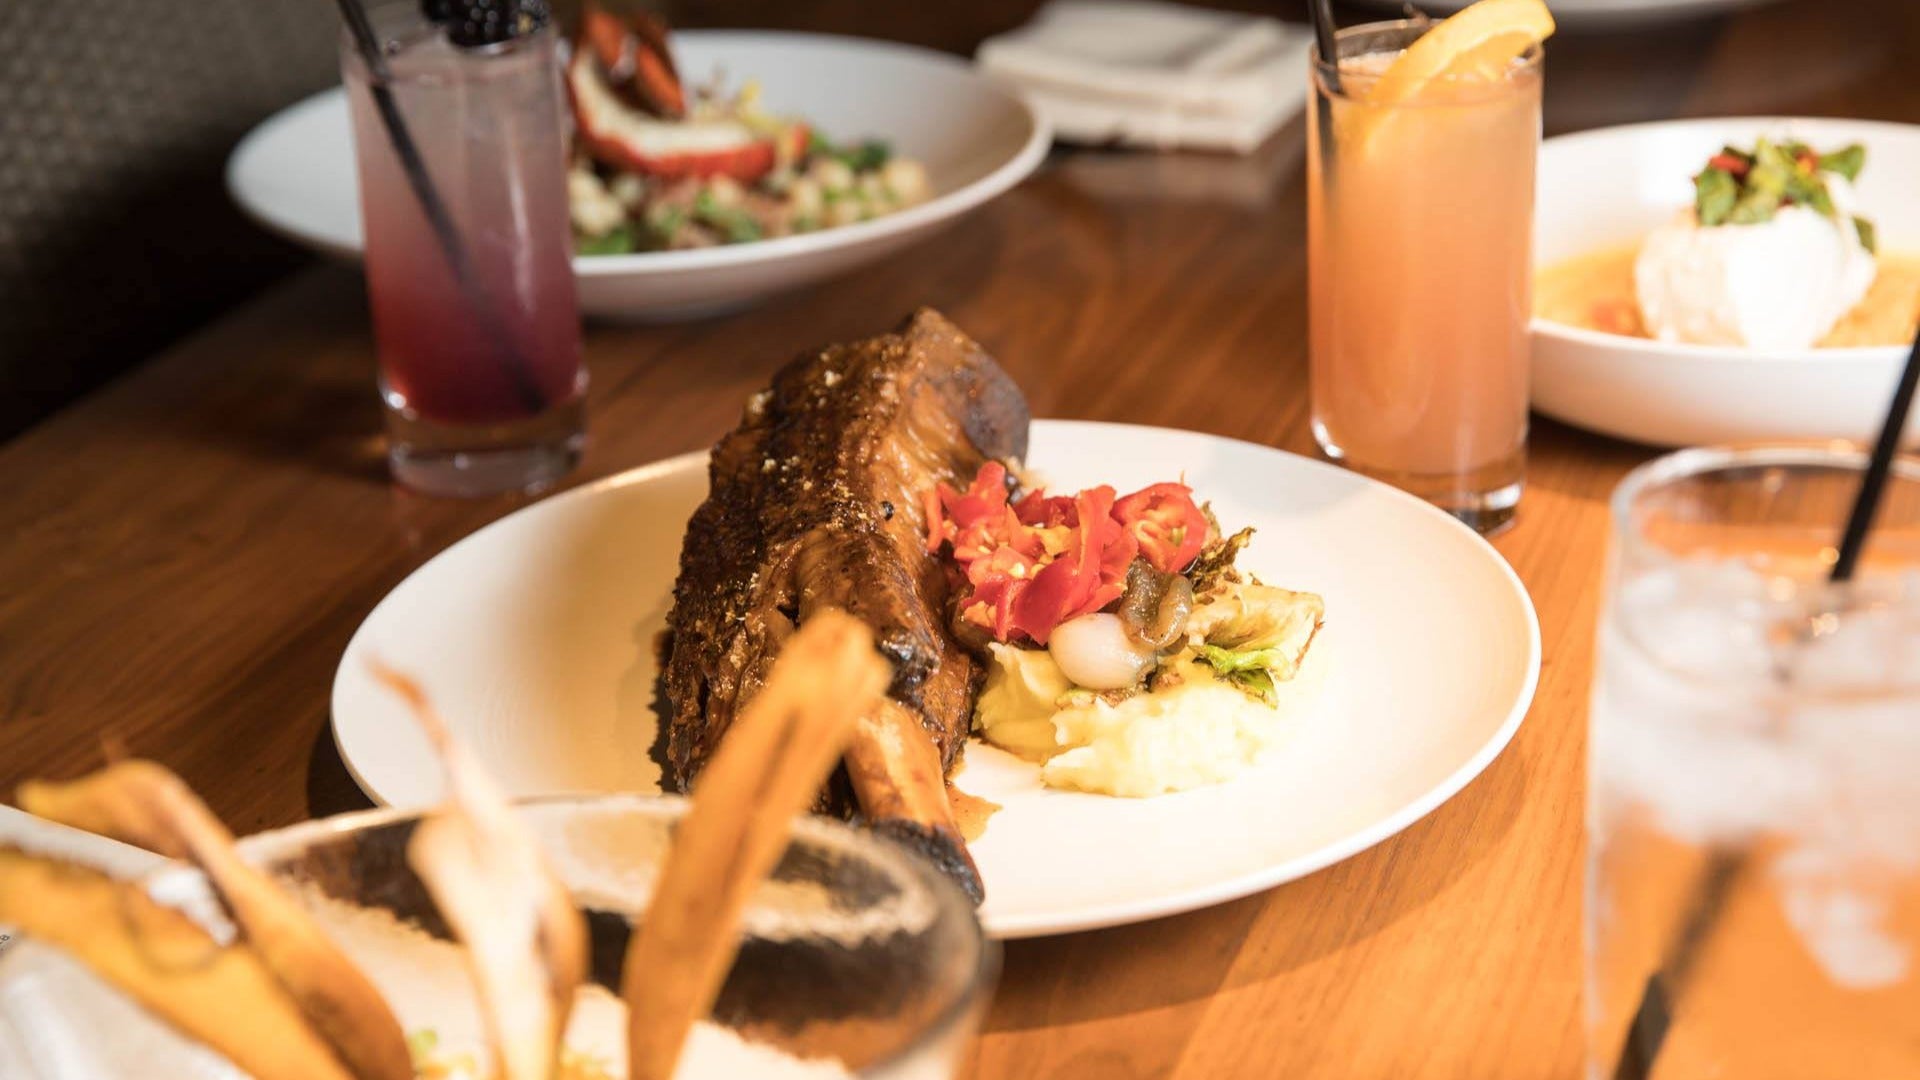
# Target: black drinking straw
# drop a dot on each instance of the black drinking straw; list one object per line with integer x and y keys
{"x": 1648, "y": 1031}
{"x": 1321, "y": 12}
{"x": 1866, "y": 503}
{"x": 379, "y": 81}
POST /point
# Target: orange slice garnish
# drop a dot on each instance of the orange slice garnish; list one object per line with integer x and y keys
{"x": 1481, "y": 41}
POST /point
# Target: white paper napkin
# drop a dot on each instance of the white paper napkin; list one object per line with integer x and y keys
{"x": 1155, "y": 74}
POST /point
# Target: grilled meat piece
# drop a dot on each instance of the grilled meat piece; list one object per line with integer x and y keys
{"x": 816, "y": 501}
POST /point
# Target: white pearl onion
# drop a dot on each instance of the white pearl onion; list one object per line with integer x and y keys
{"x": 1094, "y": 651}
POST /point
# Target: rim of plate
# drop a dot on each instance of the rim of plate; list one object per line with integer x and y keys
{"x": 1871, "y": 356}
{"x": 945, "y": 205}
{"x": 1176, "y": 903}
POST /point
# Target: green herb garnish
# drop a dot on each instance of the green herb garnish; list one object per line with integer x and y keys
{"x": 735, "y": 224}
{"x": 1714, "y": 193}
{"x": 864, "y": 156}
{"x": 867, "y": 156}
{"x": 1869, "y": 238}
{"x": 619, "y": 240}
{"x": 1249, "y": 670}
{"x": 1846, "y": 161}
{"x": 1738, "y": 187}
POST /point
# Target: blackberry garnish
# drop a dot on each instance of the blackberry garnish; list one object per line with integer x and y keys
{"x": 472, "y": 24}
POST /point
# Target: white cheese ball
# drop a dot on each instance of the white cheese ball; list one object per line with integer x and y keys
{"x": 1781, "y": 284}
{"x": 1094, "y": 651}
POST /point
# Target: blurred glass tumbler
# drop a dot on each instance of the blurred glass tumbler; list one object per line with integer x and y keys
{"x": 482, "y": 379}
{"x": 857, "y": 958}
{"x": 1753, "y": 810}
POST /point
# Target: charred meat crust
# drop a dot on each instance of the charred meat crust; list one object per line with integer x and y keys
{"x": 816, "y": 500}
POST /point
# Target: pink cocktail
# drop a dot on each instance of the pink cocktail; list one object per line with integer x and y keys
{"x": 479, "y": 347}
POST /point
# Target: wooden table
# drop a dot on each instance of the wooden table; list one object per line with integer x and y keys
{"x": 188, "y": 551}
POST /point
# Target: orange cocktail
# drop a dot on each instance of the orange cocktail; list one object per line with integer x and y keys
{"x": 1420, "y": 214}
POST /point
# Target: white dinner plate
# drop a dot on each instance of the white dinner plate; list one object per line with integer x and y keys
{"x": 1599, "y": 14}
{"x": 1608, "y": 188}
{"x": 295, "y": 174}
{"x": 535, "y": 635}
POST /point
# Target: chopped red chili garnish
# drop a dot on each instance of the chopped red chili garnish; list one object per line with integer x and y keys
{"x": 1732, "y": 163}
{"x": 1037, "y": 562}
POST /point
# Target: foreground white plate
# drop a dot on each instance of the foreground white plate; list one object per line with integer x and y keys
{"x": 1609, "y": 188}
{"x": 295, "y": 173}
{"x": 535, "y": 634}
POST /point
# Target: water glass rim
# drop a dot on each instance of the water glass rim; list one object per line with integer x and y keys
{"x": 1701, "y": 461}
{"x": 401, "y": 24}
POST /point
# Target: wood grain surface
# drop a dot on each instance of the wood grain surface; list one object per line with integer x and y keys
{"x": 187, "y": 552}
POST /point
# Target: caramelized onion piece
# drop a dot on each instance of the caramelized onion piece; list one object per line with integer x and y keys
{"x": 1155, "y": 606}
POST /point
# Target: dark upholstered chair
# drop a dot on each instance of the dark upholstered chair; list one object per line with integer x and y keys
{"x": 116, "y": 234}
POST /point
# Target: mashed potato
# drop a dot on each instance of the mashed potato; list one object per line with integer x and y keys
{"x": 1201, "y": 731}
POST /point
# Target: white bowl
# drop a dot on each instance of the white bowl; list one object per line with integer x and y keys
{"x": 1609, "y": 188}
{"x": 294, "y": 173}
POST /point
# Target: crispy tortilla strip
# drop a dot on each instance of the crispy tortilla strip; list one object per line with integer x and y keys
{"x": 225, "y": 997}
{"x": 526, "y": 942}
{"x": 766, "y": 771}
{"x": 142, "y": 803}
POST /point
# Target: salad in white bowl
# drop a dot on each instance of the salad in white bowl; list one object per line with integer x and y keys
{"x": 1726, "y": 280}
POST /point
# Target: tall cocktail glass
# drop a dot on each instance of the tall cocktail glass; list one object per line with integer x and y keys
{"x": 481, "y": 372}
{"x": 1753, "y": 876}
{"x": 1419, "y": 241}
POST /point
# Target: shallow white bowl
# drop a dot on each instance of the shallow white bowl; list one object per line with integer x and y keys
{"x": 295, "y": 175}
{"x": 1609, "y": 188}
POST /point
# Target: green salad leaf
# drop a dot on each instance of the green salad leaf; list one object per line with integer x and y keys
{"x": 1251, "y": 670}
{"x": 619, "y": 240}
{"x": 734, "y": 223}
{"x": 1869, "y": 237}
{"x": 1847, "y": 161}
{"x": 867, "y": 156}
{"x": 1740, "y": 187}
{"x": 1254, "y": 635}
{"x": 864, "y": 156}
{"x": 1714, "y": 193}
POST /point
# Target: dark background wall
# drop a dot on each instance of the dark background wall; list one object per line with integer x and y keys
{"x": 116, "y": 234}
{"x": 116, "y": 116}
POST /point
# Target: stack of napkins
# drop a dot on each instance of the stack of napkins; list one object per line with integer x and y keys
{"x": 1155, "y": 74}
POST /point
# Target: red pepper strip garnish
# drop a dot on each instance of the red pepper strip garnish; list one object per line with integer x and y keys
{"x": 999, "y": 582}
{"x": 1035, "y": 563}
{"x": 1736, "y": 165}
{"x": 1040, "y": 509}
{"x": 1088, "y": 577}
{"x": 1170, "y": 529}
{"x": 949, "y": 512}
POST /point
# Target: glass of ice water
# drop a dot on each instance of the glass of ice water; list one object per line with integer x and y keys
{"x": 1753, "y": 873}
